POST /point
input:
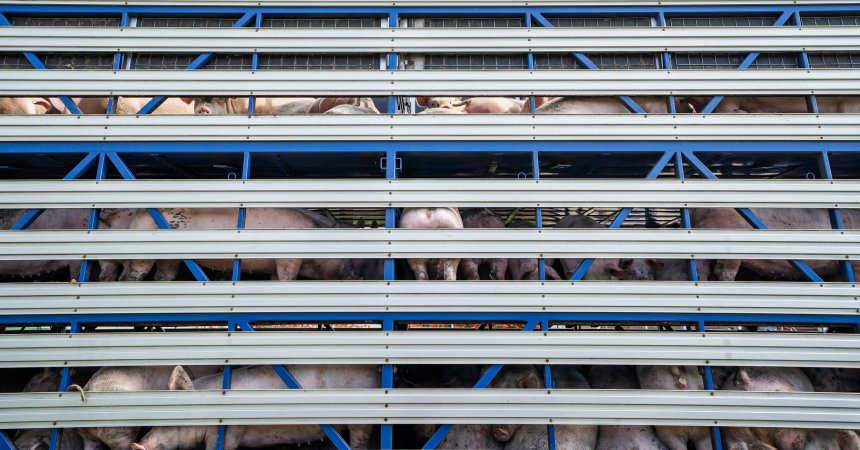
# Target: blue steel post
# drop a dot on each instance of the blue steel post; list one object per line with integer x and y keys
{"x": 845, "y": 267}
{"x": 65, "y": 381}
{"x": 387, "y": 432}
{"x": 226, "y": 383}
{"x": 5, "y": 442}
{"x": 240, "y": 223}
{"x": 30, "y": 216}
{"x": 255, "y": 64}
{"x": 685, "y": 217}
{"x": 716, "y": 436}
{"x": 93, "y": 222}
{"x": 622, "y": 215}
{"x": 391, "y": 62}
{"x": 666, "y": 58}
{"x": 531, "y": 62}
{"x": 803, "y": 62}
{"x": 117, "y": 65}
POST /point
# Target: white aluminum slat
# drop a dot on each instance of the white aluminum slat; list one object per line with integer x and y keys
{"x": 404, "y": 193}
{"x": 429, "y": 243}
{"x": 424, "y": 40}
{"x": 429, "y": 347}
{"x": 191, "y": 83}
{"x": 417, "y": 406}
{"x": 248, "y": 297}
{"x": 444, "y": 127}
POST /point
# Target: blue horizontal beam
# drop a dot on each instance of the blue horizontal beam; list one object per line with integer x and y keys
{"x": 425, "y": 317}
{"x": 657, "y": 147}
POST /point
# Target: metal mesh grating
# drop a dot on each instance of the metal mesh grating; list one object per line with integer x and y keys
{"x": 187, "y": 22}
{"x": 599, "y": 21}
{"x": 607, "y": 61}
{"x": 176, "y": 61}
{"x": 475, "y": 62}
{"x": 15, "y": 61}
{"x": 322, "y": 22}
{"x": 834, "y": 60}
{"x": 281, "y": 61}
{"x": 66, "y": 21}
{"x": 830, "y": 20}
{"x": 708, "y": 61}
{"x": 474, "y": 22}
{"x": 85, "y": 61}
{"x": 727, "y": 21}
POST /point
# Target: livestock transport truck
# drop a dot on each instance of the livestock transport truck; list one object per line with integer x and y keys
{"x": 554, "y": 224}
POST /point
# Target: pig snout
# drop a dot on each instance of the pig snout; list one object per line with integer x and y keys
{"x": 501, "y": 433}
{"x": 202, "y": 109}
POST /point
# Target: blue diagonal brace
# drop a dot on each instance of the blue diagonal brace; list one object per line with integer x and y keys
{"x": 159, "y": 219}
{"x": 750, "y": 216}
{"x": 33, "y": 214}
{"x": 37, "y": 63}
{"x": 483, "y": 382}
{"x": 585, "y": 61}
{"x": 198, "y": 62}
{"x": 745, "y": 64}
{"x": 622, "y": 215}
{"x": 329, "y": 430}
{"x": 5, "y": 442}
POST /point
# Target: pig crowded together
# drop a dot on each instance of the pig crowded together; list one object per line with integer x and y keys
{"x": 513, "y": 436}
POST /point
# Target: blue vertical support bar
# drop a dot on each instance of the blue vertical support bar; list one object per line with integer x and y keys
{"x": 30, "y": 216}
{"x": 93, "y": 222}
{"x": 845, "y": 268}
{"x": 159, "y": 219}
{"x": 745, "y": 64}
{"x": 716, "y": 436}
{"x": 685, "y": 216}
{"x": 749, "y": 216}
{"x": 666, "y": 58}
{"x": 542, "y": 277}
{"x": 623, "y": 214}
{"x": 391, "y": 63}
{"x": 240, "y": 222}
{"x": 255, "y": 64}
{"x": 226, "y": 383}
{"x": 803, "y": 62}
{"x": 484, "y": 381}
{"x": 198, "y": 62}
{"x": 387, "y": 432}
{"x": 531, "y": 62}
{"x": 65, "y": 381}
{"x": 117, "y": 65}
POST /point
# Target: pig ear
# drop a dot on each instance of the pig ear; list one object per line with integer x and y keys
{"x": 187, "y": 100}
{"x": 57, "y": 104}
{"x": 179, "y": 380}
{"x": 422, "y": 101}
{"x": 530, "y": 381}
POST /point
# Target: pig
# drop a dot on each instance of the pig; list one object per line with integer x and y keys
{"x": 539, "y": 101}
{"x": 466, "y": 436}
{"x": 256, "y": 436}
{"x": 676, "y": 378}
{"x": 350, "y": 110}
{"x": 788, "y": 219}
{"x": 631, "y": 437}
{"x": 265, "y": 218}
{"x": 239, "y": 105}
{"x": 131, "y": 105}
{"x": 535, "y": 437}
{"x": 767, "y": 379}
{"x": 115, "y": 379}
{"x": 527, "y": 269}
{"x": 601, "y": 269}
{"x": 432, "y": 218}
{"x": 51, "y": 219}
{"x": 824, "y": 379}
{"x": 483, "y": 218}
{"x": 322, "y": 105}
{"x": 832, "y": 440}
{"x": 770, "y": 105}
{"x": 32, "y": 105}
{"x": 40, "y": 439}
{"x": 474, "y": 105}
{"x": 600, "y": 105}
{"x": 441, "y": 111}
